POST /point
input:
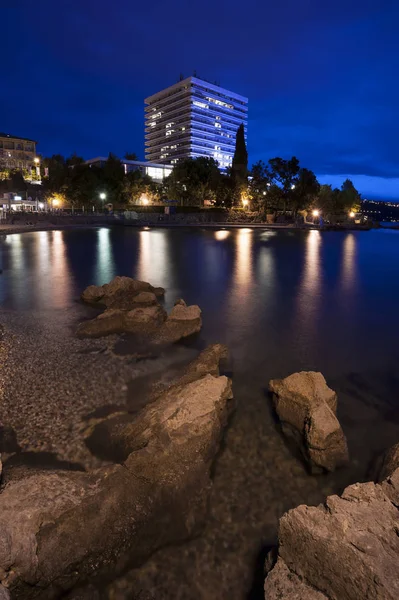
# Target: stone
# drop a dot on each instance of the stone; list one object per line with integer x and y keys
{"x": 59, "y": 529}
{"x": 180, "y": 301}
{"x": 110, "y": 321}
{"x": 390, "y": 462}
{"x": 347, "y": 548}
{"x": 144, "y": 320}
{"x": 306, "y": 407}
{"x": 283, "y": 584}
{"x": 119, "y": 293}
{"x": 182, "y": 322}
{"x": 145, "y": 299}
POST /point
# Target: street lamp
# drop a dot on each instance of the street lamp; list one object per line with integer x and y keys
{"x": 316, "y": 213}
{"x": 145, "y": 201}
{"x": 352, "y": 214}
{"x": 245, "y": 202}
{"x": 36, "y": 160}
{"x": 55, "y": 202}
{"x": 103, "y": 196}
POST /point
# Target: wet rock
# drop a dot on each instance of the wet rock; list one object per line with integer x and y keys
{"x": 57, "y": 529}
{"x": 4, "y": 593}
{"x": 180, "y": 301}
{"x": 119, "y": 293}
{"x": 306, "y": 407}
{"x": 390, "y": 462}
{"x": 145, "y": 299}
{"x": 110, "y": 321}
{"x": 182, "y": 322}
{"x": 346, "y": 549}
{"x": 144, "y": 320}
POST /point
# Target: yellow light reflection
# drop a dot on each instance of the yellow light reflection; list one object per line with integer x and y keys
{"x": 309, "y": 294}
{"x": 61, "y": 280}
{"x": 243, "y": 256}
{"x": 348, "y": 268}
{"x": 222, "y": 235}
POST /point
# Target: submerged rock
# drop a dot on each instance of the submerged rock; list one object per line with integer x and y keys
{"x": 182, "y": 322}
{"x": 306, "y": 407}
{"x": 110, "y": 321}
{"x": 346, "y": 549}
{"x": 119, "y": 293}
{"x": 58, "y": 529}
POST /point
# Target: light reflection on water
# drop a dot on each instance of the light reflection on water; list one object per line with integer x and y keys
{"x": 296, "y": 291}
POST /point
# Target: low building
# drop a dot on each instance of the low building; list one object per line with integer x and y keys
{"x": 17, "y": 152}
{"x": 154, "y": 170}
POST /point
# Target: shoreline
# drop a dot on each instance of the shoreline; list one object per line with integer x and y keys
{"x": 15, "y": 229}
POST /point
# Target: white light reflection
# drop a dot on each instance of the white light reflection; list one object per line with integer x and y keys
{"x": 222, "y": 235}
{"x": 105, "y": 260}
{"x": 154, "y": 262}
{"x": 243, "y": 266}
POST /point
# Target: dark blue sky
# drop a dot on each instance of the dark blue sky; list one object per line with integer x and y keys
{"x": 322, "y": 76}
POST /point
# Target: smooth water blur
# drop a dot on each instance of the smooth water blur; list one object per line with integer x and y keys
{"x": 281, "y": 300}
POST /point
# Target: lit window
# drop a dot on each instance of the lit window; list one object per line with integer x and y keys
{"x": 183, "y": 129}
{"x": 200, "y": 104}
{"x": 217, "y": 147}
{"x": 153, "y": 124}
{"x": 219, "y": 102}
{"x": 218, "y": 125}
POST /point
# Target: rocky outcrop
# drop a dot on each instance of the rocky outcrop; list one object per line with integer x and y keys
{"x": 132, "y": 307}
{"x": 182, "y": 322}
{"x": 121, "y": 292}
{"x": 389, "y": 462}
{"x": 346, "y": 549}
{"x": 307, "y": 407}
{"x": 58, "y": 529}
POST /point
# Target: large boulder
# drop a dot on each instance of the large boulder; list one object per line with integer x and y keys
{"x": 143, "y": 320}
{"x": 389, "y": 462}
{"x": 306, "y": 407}
{"x": 119, "y": 293}
{"x": 59, "y": 529}
{"x": 347, "y": 549}
{"x": 182, "y": 322}
{"x": 110, "y": 321}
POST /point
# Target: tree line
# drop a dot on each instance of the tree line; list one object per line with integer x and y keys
{"x": 279, "y": 186}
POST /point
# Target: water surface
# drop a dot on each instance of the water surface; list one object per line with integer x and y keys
{"x": 282, "y": 301}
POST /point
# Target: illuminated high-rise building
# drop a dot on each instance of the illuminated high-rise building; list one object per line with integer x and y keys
{"x": 193, "y": 118}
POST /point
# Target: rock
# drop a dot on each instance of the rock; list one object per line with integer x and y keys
{"x": 347, "y": 549}
{"x": 4, "y": 593}
{"x": 180, "y": 301}
{"x": 283, "y": 584}
{"x": 58, "y": 529}
{"x": 110, "y": 321}
{"x": 206, "y": 363}
{"x": 307, "y": 408}
{"x": 390, "y": 462}
{"x": 119, "y": 293}
{"x": 145, "y": 299}
{"x": 144, "y": 320}
{"x": 182, "y": 322}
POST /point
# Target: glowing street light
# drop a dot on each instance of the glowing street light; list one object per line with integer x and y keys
{"x": 55, "y": 202}
{"x": 245, "y": 202}
{"x": 145, "y": 201}
{"x": 352, "y": 214}
{"x": 293, "y": 186}
{"x": 103, "y": 195}
{"x": 316, "y": 213}
{"x": 36, "y": 160}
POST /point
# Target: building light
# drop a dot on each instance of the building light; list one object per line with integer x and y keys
{"x": 200, "y": 104}
{"x": 218, "y": 125}
{"x": 183, "y": 129}
{"x": 219, "y": 102}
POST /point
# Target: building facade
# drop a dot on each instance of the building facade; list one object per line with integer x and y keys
{"x": 193, "y": 118}
{"x": 17, "y": 152}
{"x": 157, "y": 172}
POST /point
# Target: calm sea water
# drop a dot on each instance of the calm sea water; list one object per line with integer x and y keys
{"x": 282, "y": 301}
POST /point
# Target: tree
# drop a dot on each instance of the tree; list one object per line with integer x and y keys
{"x": 305, "y": 191}
{"x": 350, "y": 197}
{"x": 194, "y": 180}
{"x": 239, "y": 167}
{"x": 259, "y": 187}
{"x": 131, "y": 156}
{"x": 136, "y": 185}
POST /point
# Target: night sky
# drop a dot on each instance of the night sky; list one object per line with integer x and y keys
{"x": 322, "y": 76}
